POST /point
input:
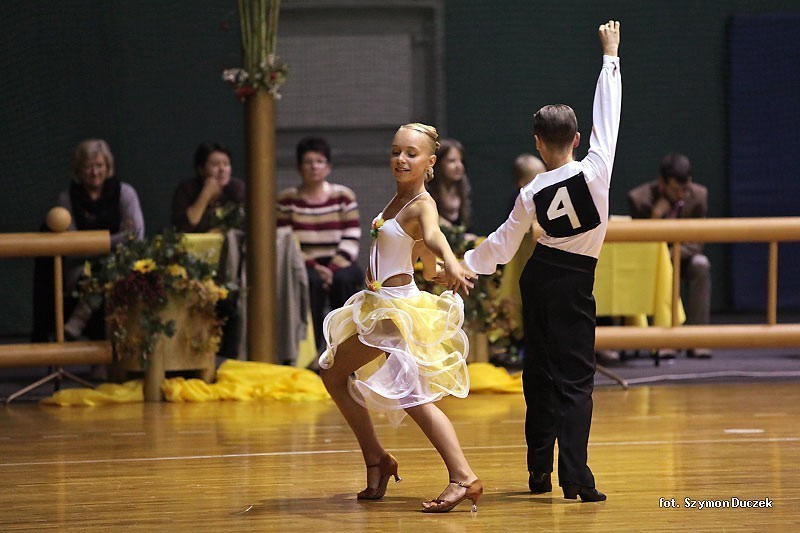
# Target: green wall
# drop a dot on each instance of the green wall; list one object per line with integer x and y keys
{"x": 145, "y": 75}
{"x": 504, "y": 64}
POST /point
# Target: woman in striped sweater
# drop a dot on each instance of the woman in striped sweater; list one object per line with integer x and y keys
{"x": 324, "y": 217}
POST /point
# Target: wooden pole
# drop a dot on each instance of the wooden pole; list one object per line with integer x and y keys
{"x": 676, "y": 283}
{"x": 772, "y": 284}
{"x": 261, "y": 201}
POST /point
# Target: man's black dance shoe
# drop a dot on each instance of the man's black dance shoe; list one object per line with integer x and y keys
{"x": 587, "y": 494}
{"x": 539, "y": 483}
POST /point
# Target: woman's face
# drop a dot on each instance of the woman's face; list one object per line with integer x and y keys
{"x": 452, "y": 165}
{"x": 93, "y": 173}
{"x": 217, "y": 167}
{"x": 314, "y": 167}
{"x": 411, "y": 155}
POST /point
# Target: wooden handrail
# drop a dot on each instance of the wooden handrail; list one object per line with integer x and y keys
{"x": 771, "y": 230}
{"x": 56, "y": 245}
{"x": 55, "y": 354}
{"x": 705, "y": 230}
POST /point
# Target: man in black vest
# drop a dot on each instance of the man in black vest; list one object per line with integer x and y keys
{"x": 570, "y": 203}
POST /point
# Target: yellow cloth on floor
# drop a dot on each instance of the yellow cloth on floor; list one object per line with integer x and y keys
{"x": 236, "y": 380}
{"x": 250, "y": 380}
{"x": 106, "y": 393}
{"x": 485, "y": 377}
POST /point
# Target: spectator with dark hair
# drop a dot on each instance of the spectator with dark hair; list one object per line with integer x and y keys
{"x": 201, "y": 205}
{"x": 195, "y": 199}
{"x": 675, "y": 195}
{"x": 450, "y": 187}
{"x": 324, "y": 218}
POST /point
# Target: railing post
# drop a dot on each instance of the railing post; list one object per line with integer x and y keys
{"x": 676, "y": 283}
{"x": 772, "y": 284}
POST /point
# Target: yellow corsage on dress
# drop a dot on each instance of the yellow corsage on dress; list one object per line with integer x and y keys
{"x": 376, "y": 226}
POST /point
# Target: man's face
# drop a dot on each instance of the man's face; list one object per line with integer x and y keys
{"x": 674, "y": 190}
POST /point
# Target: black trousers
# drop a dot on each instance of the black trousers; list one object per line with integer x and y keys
{"x": 558, "y": 376}
{"x": 346, "y": 282}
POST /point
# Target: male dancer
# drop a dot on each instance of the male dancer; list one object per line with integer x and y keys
{"x": 570, "y": 202}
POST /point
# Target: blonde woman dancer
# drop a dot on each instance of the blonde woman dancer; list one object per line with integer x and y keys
{"x": 404, "y": 347}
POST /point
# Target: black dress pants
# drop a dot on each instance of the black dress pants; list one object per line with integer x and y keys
{"x": 558, "y": 374}
{"x": 346, "y": 282}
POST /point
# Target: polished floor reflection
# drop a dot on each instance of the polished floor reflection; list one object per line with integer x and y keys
{"x": 273, "y": 466}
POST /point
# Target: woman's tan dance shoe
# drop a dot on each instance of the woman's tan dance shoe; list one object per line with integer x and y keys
{"x": 474, "y": 492}
{"x": 388, "y": 468}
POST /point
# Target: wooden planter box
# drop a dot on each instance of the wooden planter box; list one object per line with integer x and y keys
{"x": 190, "y": 348}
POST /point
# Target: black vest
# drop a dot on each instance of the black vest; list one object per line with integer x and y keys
{"x": 103, "y": 213}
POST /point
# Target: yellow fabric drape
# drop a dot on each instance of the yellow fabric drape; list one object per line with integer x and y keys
{"x": 236, "y": 380}
{"x": 251, "y": 380}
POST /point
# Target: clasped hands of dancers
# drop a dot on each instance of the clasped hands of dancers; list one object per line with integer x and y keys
{"x": 396, "y": 349}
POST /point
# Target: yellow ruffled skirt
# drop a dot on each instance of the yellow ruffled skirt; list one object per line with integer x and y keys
{"x": 425, "y": 349}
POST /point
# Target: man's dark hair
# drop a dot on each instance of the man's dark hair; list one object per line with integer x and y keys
{"x": 555, "y": 125}
{"x": 676, "y": 166}
{"x": 313, "y": 144}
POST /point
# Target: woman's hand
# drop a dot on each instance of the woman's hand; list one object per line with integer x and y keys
{"x": 458, "y": 277}
{"x": 326, "y": 274}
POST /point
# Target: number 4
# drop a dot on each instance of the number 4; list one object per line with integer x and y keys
{"x": 562, "y": 205}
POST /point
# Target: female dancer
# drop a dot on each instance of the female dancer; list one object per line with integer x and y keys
{"x": 405, "y": 346}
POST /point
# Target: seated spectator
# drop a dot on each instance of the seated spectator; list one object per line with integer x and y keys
{"x": 207, "y": 203}
{"x": 450, "y": 186}
{"x": 324, "y": 218}
{"x": 526, "y": 167}
{"x": 97, "y": 200}
{"x": 196, "y": 200}
{"x": 675, "y": 195}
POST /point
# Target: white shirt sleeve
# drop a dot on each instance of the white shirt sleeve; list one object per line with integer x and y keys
{"x": 502, "y": 244}
{"x": 605, "y": 120}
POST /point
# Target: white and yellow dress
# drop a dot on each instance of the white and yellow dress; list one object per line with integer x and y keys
{"x": 425, "y": 349}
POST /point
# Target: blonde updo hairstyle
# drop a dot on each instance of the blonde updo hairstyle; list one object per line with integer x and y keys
{"x": 433, "y": 138}
{"x": 88, "y": 149}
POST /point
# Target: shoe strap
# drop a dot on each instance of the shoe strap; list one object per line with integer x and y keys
{"x": 460, "y": 484}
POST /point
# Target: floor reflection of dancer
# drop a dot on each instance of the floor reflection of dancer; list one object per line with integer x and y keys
{"x": 404, "y": 346}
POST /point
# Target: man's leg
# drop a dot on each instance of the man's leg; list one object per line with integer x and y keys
{"x": 540, "y": 415}
{"x": 696, "y": 272}
{"x": 574, "y": 365}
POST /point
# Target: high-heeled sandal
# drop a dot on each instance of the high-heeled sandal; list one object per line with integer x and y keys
{"x": 474, "y": 492}
{"x": 388, "y": 468}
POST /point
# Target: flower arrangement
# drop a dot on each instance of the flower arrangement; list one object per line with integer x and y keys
{"x": 262, "y": 69}
{"x": 136, "y": 282}
{"x": 269, "y": 75}
{"x": 232, "y": 215}
{"x": 484, "y": 309}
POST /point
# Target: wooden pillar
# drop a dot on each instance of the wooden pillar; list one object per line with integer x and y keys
{"x": 261, "y": 200}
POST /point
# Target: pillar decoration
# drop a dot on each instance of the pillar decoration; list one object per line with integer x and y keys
{"x": 257, "y": 84}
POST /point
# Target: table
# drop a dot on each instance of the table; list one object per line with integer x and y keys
{"x": 634, "y": 280}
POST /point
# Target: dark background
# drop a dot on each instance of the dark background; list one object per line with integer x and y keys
{"x": 146, "y": 77}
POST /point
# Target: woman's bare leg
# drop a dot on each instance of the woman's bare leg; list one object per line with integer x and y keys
{"x": 439, "y": 430}
{"x": 351, "y": 355}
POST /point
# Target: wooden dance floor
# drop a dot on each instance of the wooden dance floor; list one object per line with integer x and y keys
{"x": 272, "y": 466}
